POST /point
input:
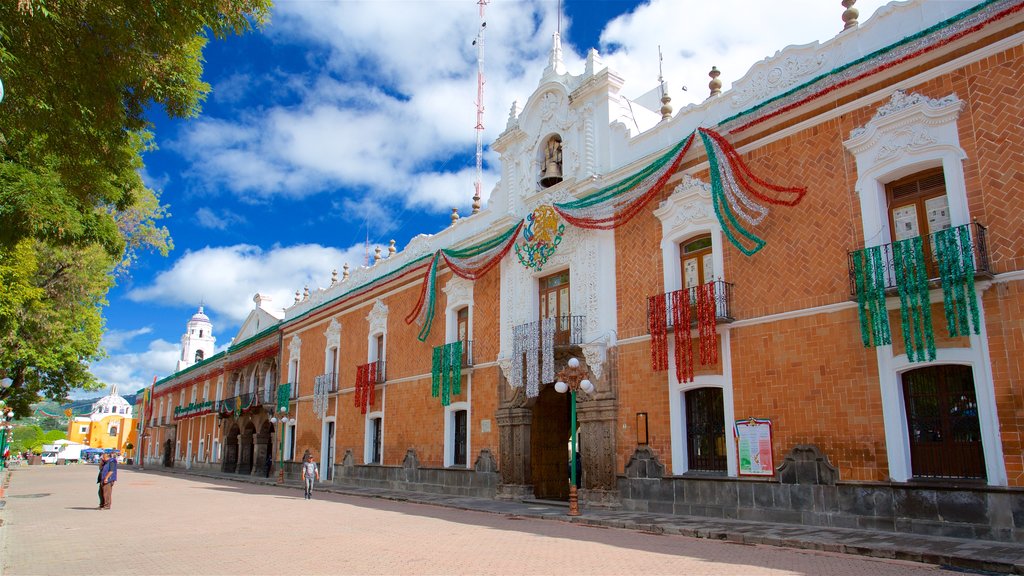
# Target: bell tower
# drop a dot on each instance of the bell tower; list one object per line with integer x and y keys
{"x": 197, "y": 343}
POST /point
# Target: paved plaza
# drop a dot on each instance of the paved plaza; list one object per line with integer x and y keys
{"x": 166, "y": 524}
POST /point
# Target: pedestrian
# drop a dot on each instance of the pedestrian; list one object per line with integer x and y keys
{"x": 108, "y": 475}
{"x": 309, "y": 472}
{"x": 99, "y": 478}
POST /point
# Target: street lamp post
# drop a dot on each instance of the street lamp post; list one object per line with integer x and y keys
{"x": 283, "y": 420}
{"x": 573, "y": 378}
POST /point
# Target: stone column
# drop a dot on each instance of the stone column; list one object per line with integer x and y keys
{"x": 260, "y": 449}
{"x": 597, "y": 420}
{"x": 514, "y": 438}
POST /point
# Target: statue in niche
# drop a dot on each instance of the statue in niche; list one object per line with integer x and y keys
{"x": 551, "y": 174}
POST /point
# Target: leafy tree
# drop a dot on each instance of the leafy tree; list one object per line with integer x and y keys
{"x": 25, "y": 437}
{"x": 79, "y": 76}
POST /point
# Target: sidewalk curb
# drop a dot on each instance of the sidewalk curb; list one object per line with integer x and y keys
{"x": 748, "y": 533}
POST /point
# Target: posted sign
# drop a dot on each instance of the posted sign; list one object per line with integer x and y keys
{"x": 754, "y": 444}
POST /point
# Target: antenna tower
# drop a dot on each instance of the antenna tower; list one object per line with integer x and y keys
{"x": 479, "y": 43}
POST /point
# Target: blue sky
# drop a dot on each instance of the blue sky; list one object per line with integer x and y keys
{"x": 342, "y": 121}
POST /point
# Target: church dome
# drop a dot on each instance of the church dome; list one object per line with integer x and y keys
{"x": 200, "y": 316}
{"x": 112, "y": 404}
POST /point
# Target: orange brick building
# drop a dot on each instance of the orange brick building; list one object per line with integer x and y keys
{"x": 800, "y": 300}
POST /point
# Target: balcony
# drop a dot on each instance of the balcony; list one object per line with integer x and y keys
{"x": 380, "y": 374}
{"x": 328, "y": 380}
{"x": 723, "y": 304}
{"x": 467, "y": 353}
{"x": 979, "y": 260}
{"x": 238, "y": 404}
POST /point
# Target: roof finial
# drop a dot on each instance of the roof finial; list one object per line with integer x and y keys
{"x": 344, "y": 272}
{"x": 666, "y": 108}
{"x": 455, "y": 215}
{"x": 850, "y": 14}
{"x": 376, "y": 255}
{"x": 334, "y": 277}
{"x": 391, "y": 249}
{"x": 715, "y": 85}
{"x": 297, "y": 297}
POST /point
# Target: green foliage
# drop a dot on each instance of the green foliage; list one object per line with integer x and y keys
{"x": 26, "y": 438}
{"x": 79, "y": 76}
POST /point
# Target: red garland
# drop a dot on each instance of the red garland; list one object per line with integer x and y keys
{"x": 656, "y": 324}
{"x": 684, "y": 340}
{"x": 881, "y": 68}
{"x": 366, "y": 381}
{"x": 706, "y": 324}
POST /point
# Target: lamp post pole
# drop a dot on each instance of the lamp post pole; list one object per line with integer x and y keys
{"x": 283, "y": 421}
{"x": 574, "y": 378}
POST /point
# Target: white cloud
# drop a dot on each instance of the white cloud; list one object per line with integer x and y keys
{"x": 217, "y": 220}
{"x": 387, "y": 110}
{"x": 226, "y": 278}
{"x": 114, "y": 340}
{"x": 132, "y": 371}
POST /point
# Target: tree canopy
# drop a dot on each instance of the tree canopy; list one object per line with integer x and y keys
{"x": 79, "y": 77}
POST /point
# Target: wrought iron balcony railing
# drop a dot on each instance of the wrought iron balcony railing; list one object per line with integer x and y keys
{"x": 381, "y": 375}
{"x": 978, "y": 248}
{"x": 723, "y": 304}
{"x": 467, "y": 353}
{"x": 330, "y": 380}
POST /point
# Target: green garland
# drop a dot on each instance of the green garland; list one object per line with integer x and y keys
{"x": 955, "y": 253}
{"x": 870, "y": 285}
{"x": 446, "y": 372}
{"x": 915, "y": 308}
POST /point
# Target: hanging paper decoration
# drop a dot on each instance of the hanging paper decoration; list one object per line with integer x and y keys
{"x": 536, "y": 342}
{"x": 542, "y": 235}
{"x": 683, "y": 339}
{"x": 238, "y": 405}
{"x": 446, "y": 372}
{"x": 547, "y": 350}
{"x": 366, "y": 381}
{"x": 736, "y": 191}
{"x": 470, "y": 263}
{"x": 614, "y": 205}
{"x": 955, "y": 253}
{"x": 706, "y": 315}
{"x": 515, "y": 372}
{"x": 656, "y": 325}
{"x": 869, "y": 278}
{"x": 321, "y": 385}
{"x": 915, "y": 309}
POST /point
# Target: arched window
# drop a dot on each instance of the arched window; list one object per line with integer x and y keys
{"x": 199, "y": 355}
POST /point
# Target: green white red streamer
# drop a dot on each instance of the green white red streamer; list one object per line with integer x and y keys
{"x": 736, "y": 190}
{"x": 470, "y": 263}
{"x": 614, "y": 205}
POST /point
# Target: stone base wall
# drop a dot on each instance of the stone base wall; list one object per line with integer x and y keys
{"x": 964, "y": 511}
{"x": 480, "y": 481}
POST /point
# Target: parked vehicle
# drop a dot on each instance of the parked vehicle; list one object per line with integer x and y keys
{"x": 49, "y": 457}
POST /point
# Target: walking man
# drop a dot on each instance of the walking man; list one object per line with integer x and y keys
{"x": 108, "y": 475}
{"x": 309, "y": 472}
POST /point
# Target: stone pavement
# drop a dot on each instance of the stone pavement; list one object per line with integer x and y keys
{"x": 178, "y": 523}
{"x": 975, "y": 555}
